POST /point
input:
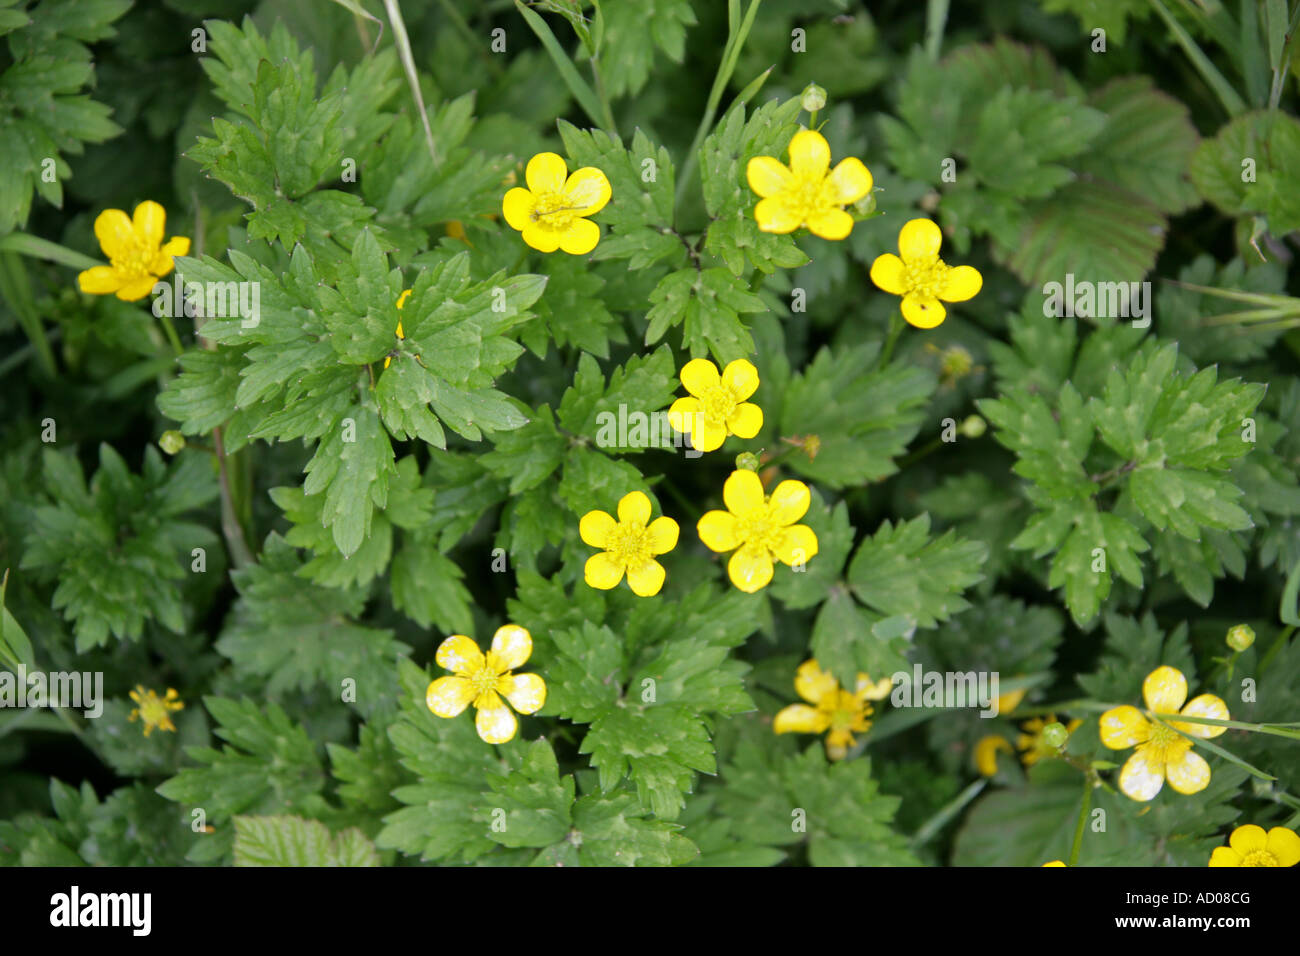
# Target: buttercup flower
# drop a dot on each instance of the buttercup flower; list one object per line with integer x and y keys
{"x": 630, "y": 545}
{"x": 1162, "y": 752}
{"x": 551, "y": 213}
{"x": 136, "y": 250}
{"x": 921, "y": 277}
{"x": 716, "y": 407}
{"x": 483, "y": 681}
{"x": 986, "y": 751}
{"x": 807, "y": 192}
{"x": 1054, "y": 863}
{"x": 1251, "y": 846}
{"x": 832, "y": 708}
{"x": 154, "y": 711}
{"x": 759, "y": 528}
{"x": 1031, "y": 741}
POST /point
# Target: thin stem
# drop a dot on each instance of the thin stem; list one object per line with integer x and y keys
{"x": 1084, "y": 806}
{"x": 172, "y": 337}
{"x": 896, "y": 324}
{"x": 231, "y": 528}
{"x": 947, "y": 812}
{"x": 1228, "y": 96}
{"x": 936, "y": 18}
{"x": 1279, "y": 75}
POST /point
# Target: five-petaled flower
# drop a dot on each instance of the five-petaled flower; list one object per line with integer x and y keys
{"x": 921, "y": 277}
{"x": 830, "y": 707}
{"x": 484, "y": 681}
{"x": 1249, "y": 845}
{"x": 716, "y": 406}
{"x": 154, "y": 711}
{"x": 401, "y": 301}
{"x": 551, "y": 213}
{"x": 136, "y": 250}
{"x": 760, "y": 529}
{"x": 807, "y": 192}
{"x": 1163, "y": 753}
{"x": 630, "y": 545}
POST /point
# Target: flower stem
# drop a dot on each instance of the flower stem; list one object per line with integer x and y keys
{"x": 1084, "y": 806}
{"x": 896, "y": 324}
{"x": 170, "y": 328}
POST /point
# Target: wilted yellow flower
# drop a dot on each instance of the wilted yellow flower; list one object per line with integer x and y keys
{"x": 484, "y": 681}
{"x": 154, "y": 711}
{"x": 986, "y": 753}
{"x": 716, "y": 407}
{"x": 1162, "y": 752}
{"x": 1033, "y": 743}
{"x": 1249, "y": 845}
{"x": 401, "y": 301}
{"x": 832, "y": 708}
{"x": 136, "y": 250}
{"x": 551, "y": 213}
{"x": 630, "y": 545}
{"x": 807, "y": 192}
{"x": 760, "y": 529}
{"x": 921, "y": 277}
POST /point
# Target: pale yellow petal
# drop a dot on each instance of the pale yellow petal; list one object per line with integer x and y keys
{"x": 750, "y": 569}
{"x": 887, "y": 273}
{"x": 662, "y": 534}
{"x": 719, "y": 531}
{"x": 800, "y": 719}
{"x": 1284, "y": 844}
{"x": 743, "y": 492}
{"x": 1205, "y": 705}
{"x": 1164, "y": 690}
{"x": 767, "y": 175}
{"x": 1248, "y": 839}
{"x": 646, "y": 577}
{"x": 919, "y": 240}
{"x": 587, "y": 189}
{"x": 511, "y": 647}
{"x": 173, "y": 247}
{"x": 1190, "y": 774}
{"x": 546, "y": 172}
{"x": 700, "y": 376}
{"x": 922, "y": 311}
{"x": 961, "y": 283}
{"x": 814, "y": 684}
{"x": 867, "y": 689}
{"x": 833, "y": 224}
{"x": 775, "y": 216}
{"x": 517, "y": 207}
{"x": 495, "y": 724}
{"x": 634, "y": 508}
{"x": 448, "y": 696}
{"x": 1123, "y": 727}
{"x": 798, "y": 544}
{"x": 789, "y": 502}
{"x": 986, "y": 753}
{"x": 460, "y": 655}
{"x": 99, "y": 280}
{"x": 603, "y": 571}
{"x": 115, "y": 233}
{"x": 851, "y": 180}
{"x": 810, "y": 154}
{"x": 149, "y": 222}
{"x": 580, "y": 238}
{"x": 526, "y": 692}
{"x": 746, "y": 420}
{"x": 1139, "y": 779}
{"x": 596, "y": 527}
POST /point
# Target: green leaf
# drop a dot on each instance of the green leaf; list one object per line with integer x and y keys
{"x": 293, "y": 841}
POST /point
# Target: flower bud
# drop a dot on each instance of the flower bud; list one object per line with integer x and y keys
{"x": 1240, "y": 637}
{"x": 1055, "y": 735}
{"x": 171, "y": 442}
{"x": 813, "y": 98}
{"x": 972, "y": 427}
{"x": 747, "y": 461}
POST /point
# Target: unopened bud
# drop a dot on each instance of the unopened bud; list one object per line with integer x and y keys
{"x": 171, "y": 442}
{"x": 813, "y": 98}
{"x": 1055, "y": 735}
{"x": 1240, "y": 636}
{"x": 747, "y": 461}
{"x": 973, "y": 427}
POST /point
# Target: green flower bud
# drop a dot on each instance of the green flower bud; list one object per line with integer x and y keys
{"x": 1055, "y": 735}
{"x": 973, "y": 427}
{"x": 813, "y": 98}
{"x": 171, "y": 442}
{"x": 1240, "y": 636}
{"x": 747, "y": 461}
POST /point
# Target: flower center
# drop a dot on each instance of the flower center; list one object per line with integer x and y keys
{"x": 484, "y": 681}
{"x": 844, "y": 710}
{"x": 554, "y": 210}
{"x": 925, "y": 277}
{"x": 717, "y": 404}
{"x": 807, "y": 195}
{"x": 1166, "y": 745}
{"x": 1259, "y": 858}
{"x": 629, "y": 543}
{"x": 758, "y": 531}
{"x": 135, "y": 264}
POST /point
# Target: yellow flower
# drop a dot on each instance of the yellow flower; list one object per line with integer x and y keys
{"x": 986, "y": 753}
{"x": 759, "y": 528}
{"x": 1031, "y": 740}
{"x": 832, "y": 708}
{"x": 630, "y": 545}
{"x": 1054, "y": 863}
{"x": 154, "y": 711}
{"x": 483, "y": 681}
{"x": 717, "y": 406}
{"x": 551, "y": 213}
{"x": 401, "y": 301}
{"x": 808, "y": 192}
{"x": 1009, "y": 701}
{"x": 921, "y": 277}
{"x": 1251, "y": 846}
{"x": 136, "y": 250}
{"x": 1162, "y": 752}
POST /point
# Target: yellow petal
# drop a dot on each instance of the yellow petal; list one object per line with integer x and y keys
{"x": 588, "y": 189}
{"x": 919, "y": 239}
{"x": 814, "y": 684}
{"x": 1223, "y": 856}
{"x": 448, "y": 696}
{"x": 401, "y": 301}
{"x": 741, "y": 378}
{"x": 634, "y": 508}
{"x": 115, "y": 233}
{"x": 719, "y": 531}
{"x": 1140, "y": 779}
{"x": 831, "y": 224}
{"x": 1205, "y": 705}
{"x": 986, "y": 754}
{"x": 743, "y": 492}
{"x": 580, "y": 238}
{"x": 1164, "y": 690}
{"x": 682, "y": 414}
{"x": 800, "y": 719}
{"x": 517, "y": 208}
{"x": 767, "y": 175}
{"x": 866, "y": 689}
{"x": 546, "y": 173}
{"x": 460, "y": 655}
{"x": 1054, "y": 863}
{"x": 797, "y": 544}
{"x": 789, "y": 502}
{"x": 646, "y": 578}
{"x": 1123, "y": 727}
{"x": 661, "y": 535}
{"x": 99, "y": 280}
{"x": 851, "y": 180}
{"x": 700, "y": 376}
{"x": 149, "y": 222}
{"x": 511, "y": 647}
{"x": 1248, "y": 839}
{"x": 495, "y": 724}
{"x": 173, "y": 247}
{"x": 773, "y": 215}
{"x": 137, "y": 290}
{"x": 543, "y": 240}
{"x": 526, "y": 692}
{"x": 1009, "y": 701}
{"x": 838, "y": 743}
{"x": 810, "y": 154}
{"x": 1284, "y": 844}
{"x": 961, "y": 283}
{"x": 603, "y": 571}
{"x": 746, "y": 420}
{"x": 707, "y": 435}
{"x": 596, "y": 527}
{"x": 1190, "y": 774}
{"x": 750, "y": 569}
{"x": 923, "y": 312}
{"x": 887, "y": 273}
